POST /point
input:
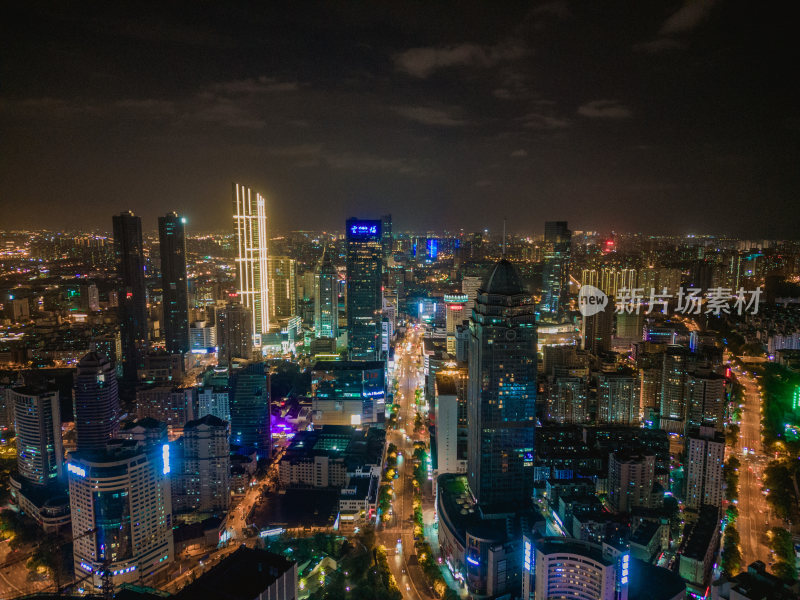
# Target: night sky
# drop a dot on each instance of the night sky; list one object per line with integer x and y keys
{"x": 661, "y": 117}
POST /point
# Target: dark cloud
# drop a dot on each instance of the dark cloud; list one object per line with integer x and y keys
{"x": 604, "y": 109}
{"x": 445, "y": 114}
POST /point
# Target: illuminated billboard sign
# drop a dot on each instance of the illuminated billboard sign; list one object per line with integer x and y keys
{"x": 369, "y": 229}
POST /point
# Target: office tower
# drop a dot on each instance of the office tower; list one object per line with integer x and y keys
{"x": 326, "y": 298}
{"x": 364, "y": 294}
{"x": 122, "y": 494}
{"x": 555, "y": 567}
{"x": 234, "y": 333}
{"x": 631, "y": 475}
{"x": 618, "y": 399}
{"x": 40, "y": 454}
{"x": 567, "y": 400}
{"x": 705, "y": 457}
{"x": 129, "y": 253}
{"x": 555, "y": 273}
{"x": 502, "y": 390}
{"x": 705, "y": 396}
{"x": 282, "y": 288}
{"x": 454, "y": 316}
{"x": 97, "y": 410}
{"x": 206, "y": 464}
{"x": 673, "y": 385}
{"x": 387, "y": 241}
{"x": 249, "y": 403}
{"x": 252, "y": 263}
{"x": 470, "y": 287}
{"x": 451, "y": 420}
{"x": 175, "y": 303}
{"x": 596, "y": 330}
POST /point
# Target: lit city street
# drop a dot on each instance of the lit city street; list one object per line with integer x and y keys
{"x": 409, "y": 577}
{"x": 754, "y": 512}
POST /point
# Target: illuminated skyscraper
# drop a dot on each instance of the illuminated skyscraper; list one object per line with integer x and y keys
{"x": 282, "y": 288}
{"x": 501, "y": 396}
{"x": 252, "y": 265}
{"x": 38, "y": 425}
{"x": 386, "y": 235}
{"x": 249, "y": 402}
{"x": 122, "y": 495}
{"x": 128, "y": 250}
{"x": 364, "y": 293}
{"x": 454, "y": 315}
{"x": 172, "y": 242}
{"x": 673, "y": 388}
{"x": 234, "y": 333}
{"x": 97, "y": 409}
{"x": 555, "y": 275}
{"x": 326, "y": 299}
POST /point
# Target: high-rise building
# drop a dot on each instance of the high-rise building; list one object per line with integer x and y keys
{"x": 631, "y": 476}
{"x": 234, "y": 333}
{"x": 282, "y": 288}
{"x": 40, "y": 454}
{"x": 326, "y": 298}
{"x": 705, "y": 395}
{"x": 567, "y": 400}
{"x": 249, "y": 403}
{"x": 596, "y": 330}
{"x": 252, "y": 262}
{"x": 501, "y": 396}
{"x": 673, "y": 386}
{"x": 387, "y": 241}
{"x": 129, "y": 253}
{"x": 705, "y": 457}
{"x": 122, "y": 495}
{"x": 97, "y": 409}
{"x": 364, "y": 293}
{"x": 454, "y": 316}
{"x": 451, "y": 420}
{"x": 175, "y": 303}
{"x": 618, "y": 399}
{"x": 470, "y": 287}
{"x": 579, "y": 570}
{"x": 207, "y": 464}
{"x": 555, "y": 273}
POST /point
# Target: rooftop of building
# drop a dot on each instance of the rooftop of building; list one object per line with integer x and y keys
{"x": 445, "y": 384}
{"x": 649, "y": 582}
{"x": 354, "y": 445}
{"x": 560, "y": 545}
{"x": 645, "y": 532}
{"x": 503, "y": 279}
{"x": 145, "y": 423}
{"x": 208, "y": 420}
{"x": 702, "y": 533}
{"x": 757, "y": 584}
{"x": 243, "y": 575}
{"x": 462, "y": 514}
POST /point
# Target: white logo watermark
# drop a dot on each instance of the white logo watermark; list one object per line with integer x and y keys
{"x": 688, "y": 301}
{"x": 591, "y": 300}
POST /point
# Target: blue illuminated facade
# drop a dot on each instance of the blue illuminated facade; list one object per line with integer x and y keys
{"x": 364, "y": 287}
{"x": 501, "y": 396}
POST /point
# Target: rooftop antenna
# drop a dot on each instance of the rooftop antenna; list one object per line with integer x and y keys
{"x": 504, "y": 237}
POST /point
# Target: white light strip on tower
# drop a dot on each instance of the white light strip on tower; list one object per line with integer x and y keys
{"x": 251, "y": 236}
